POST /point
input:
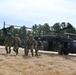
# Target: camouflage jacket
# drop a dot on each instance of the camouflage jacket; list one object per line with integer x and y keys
{"x": 39, "y": 43}
{"x": 9, "y": 39}
{"x": 31, "y": 42}
{"x": 17, "y": 41}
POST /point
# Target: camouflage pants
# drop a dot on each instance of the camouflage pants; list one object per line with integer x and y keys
{"x": 8, "y": 48}
{"x": 15, "y": 49}
{"x": 27, "y": 49}
{"x": 37, "y": 49}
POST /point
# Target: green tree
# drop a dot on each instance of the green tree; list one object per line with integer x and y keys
{"x": 35, "y": 30}
{"x": 46, "y": 29}
{"x": 22, "y": 32}
{"x": 16, "y": 31}
{"x": 56, "y": 27}
{"x": 10, "y": 29}
{"x": 71, "y": 30}
{"x": 1, "y": 33}
{"x": 40, "y": 30}
{"x": 29, "y": 32}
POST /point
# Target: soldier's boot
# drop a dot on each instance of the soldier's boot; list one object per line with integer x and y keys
{"x": 6, "y": 50}
{"x": 32, "y": 52}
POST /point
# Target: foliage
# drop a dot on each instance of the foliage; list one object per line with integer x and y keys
{"x": 39, "y": 30}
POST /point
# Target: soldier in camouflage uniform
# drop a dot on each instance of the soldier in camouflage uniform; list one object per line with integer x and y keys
{"x": 30, "y": 44}
{"x": 39, "y": 46}
{"x": 8, "y": 43}
{"x": 17, "y": 43}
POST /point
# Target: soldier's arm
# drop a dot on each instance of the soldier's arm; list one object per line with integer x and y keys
{"x": 35, "y": 42}
{"x": 13, "y": 40}
{"x": 19, "y": 41}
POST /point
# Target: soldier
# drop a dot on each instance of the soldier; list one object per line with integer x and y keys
{"x": 8, "y": 43}
{"x": 30, "y": 43}
{"x": 39, "y": 46}
{"x": 17, "y": 43}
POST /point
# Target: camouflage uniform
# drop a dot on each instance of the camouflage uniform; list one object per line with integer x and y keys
{"x": 39, "y": 46}
{"x": 17, "y": 43}
{"x": 30, "y": 43}
{"x": 8, "y": 43}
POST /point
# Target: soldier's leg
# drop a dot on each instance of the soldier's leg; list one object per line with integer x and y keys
{"x": 32, "y": 52}
{"x": 26, "y": 50}
{"x": 31, "y": 48}
{"x": 36, "y": 51}
{"x": 6, "y": 48}
{"x": 16, "y": 50}
{"x": 9, "y": 49}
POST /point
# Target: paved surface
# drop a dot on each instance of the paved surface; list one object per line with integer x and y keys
{"x": 41, "y": 51}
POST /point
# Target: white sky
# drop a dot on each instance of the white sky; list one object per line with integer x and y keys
{"x": 30, "y": 12}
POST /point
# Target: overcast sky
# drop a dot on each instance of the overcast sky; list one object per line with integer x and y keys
{"x": 30, "y": 12}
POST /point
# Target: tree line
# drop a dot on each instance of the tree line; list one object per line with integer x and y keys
{"x": 39, "y": 30}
